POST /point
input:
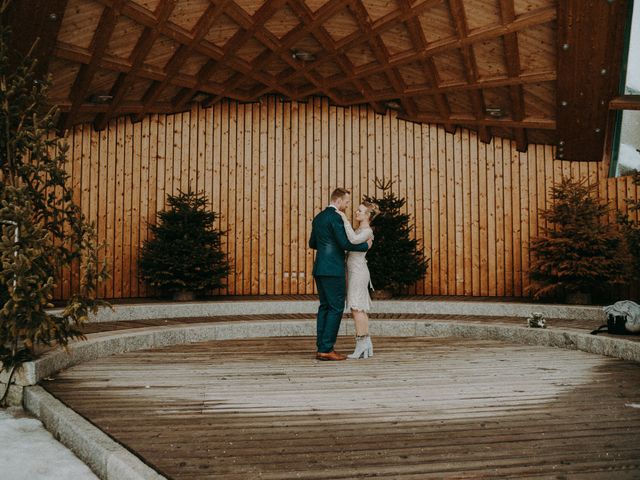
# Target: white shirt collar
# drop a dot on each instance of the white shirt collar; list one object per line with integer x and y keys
{"x": 333, "y": 206}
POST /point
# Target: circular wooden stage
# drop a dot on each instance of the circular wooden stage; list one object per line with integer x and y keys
{"x": 420, "y": 408}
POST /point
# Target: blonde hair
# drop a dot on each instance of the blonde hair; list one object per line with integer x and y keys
{"x": 373, "y": 210}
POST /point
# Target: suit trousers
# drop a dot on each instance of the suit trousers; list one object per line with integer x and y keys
{"x": 331, "y": 291}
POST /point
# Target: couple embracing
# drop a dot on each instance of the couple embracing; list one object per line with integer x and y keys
{"x": 332, "y": 235}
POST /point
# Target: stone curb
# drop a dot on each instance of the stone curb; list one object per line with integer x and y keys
{"x": 113, "y": 342}
{"x": 107, "y": 458}
{"x": 269, "y": 307}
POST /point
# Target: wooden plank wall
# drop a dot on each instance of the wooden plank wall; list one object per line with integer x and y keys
{"x": 268, "y": 167}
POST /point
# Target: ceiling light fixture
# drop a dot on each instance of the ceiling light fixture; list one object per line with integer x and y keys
{"x": 302, "y": 55}
{"x": 393, "y": 104}
{"x": 100, "y": 98}
{"x": 495, "y": 112}
{"x": 200, "y": 97}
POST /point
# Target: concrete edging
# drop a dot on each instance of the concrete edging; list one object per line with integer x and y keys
{"x": 121, "y": 341}
{"x": 263, "y": 307}
{"x": 107, "y": 458}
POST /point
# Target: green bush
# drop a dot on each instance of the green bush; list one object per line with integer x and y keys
{"x": 631, "y": 230}
{"x": 578, "y": 250}
{"x": 185, "y": 252}
{"x": 395, "y": 262}
{"x": 53, "y": 233}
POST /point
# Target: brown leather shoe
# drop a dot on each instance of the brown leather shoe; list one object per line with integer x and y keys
{"x": 330, "y": 356}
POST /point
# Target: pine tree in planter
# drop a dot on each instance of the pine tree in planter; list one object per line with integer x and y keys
{"x": 184, "y": 257}
{"x": 631, "y": 230}
{"x": 394, "y": 260}
{"x": 578, "y": 254}
{"x": 42, "y": 230}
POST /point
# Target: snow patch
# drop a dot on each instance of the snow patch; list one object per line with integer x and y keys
{"x": 29, "y": 451}
{"x": 628, "y": 159}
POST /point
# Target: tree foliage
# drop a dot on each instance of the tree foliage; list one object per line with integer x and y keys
{"x": 631, "y": 229}
{"x": 53, "y": 233}
{"x": 185, "y": 252}
{"x": 395, "y": 262}
{"x": 578, "y": 250}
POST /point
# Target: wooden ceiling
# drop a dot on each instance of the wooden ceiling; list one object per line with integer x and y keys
{"x": 490, "y": 65}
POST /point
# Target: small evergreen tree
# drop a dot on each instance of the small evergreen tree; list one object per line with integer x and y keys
{"x": 35, "y": 199}
{"x": 631, "y": 230}
{"x": 578, "y": 251}
{"x": 185, "y": 252}
{"x": 395, "y": 262}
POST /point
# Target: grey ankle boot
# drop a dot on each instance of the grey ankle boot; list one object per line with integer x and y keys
{"x": 364, "y": 348}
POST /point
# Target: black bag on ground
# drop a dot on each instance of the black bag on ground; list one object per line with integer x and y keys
{"x": 616, "y": 324}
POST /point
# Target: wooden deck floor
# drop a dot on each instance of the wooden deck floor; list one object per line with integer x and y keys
{"x": 422, "y": 408}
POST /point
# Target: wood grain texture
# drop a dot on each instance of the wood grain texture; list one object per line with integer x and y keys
{"x": 269, "y": 167}
{"x": 421, "y": 408}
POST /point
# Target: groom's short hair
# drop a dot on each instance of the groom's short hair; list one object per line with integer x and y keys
{"x": 339, "y": 193}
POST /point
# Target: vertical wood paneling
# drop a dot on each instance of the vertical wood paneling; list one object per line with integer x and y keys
{"x": 500, "y": 216}
{"x": 450, "y": 205}
{"x": 434, "y": 271}
{"x": 231, "y": 215}
{"x": 222, "y": 112}
{"x": 237, "y": 143}
{"x": 247, "y": 196}
{"x": 441, "y": 170}
{"x": 279, "y": 210}
{"x": 295, "y": 198}
{"x": 269, "y": 167}
{"x": 474, "y": 199}
{"x": 286, "y": 192}
{"x": 456, "y": 176}
{"x": 483, "y": 213}
{"x": 418, "y": 185}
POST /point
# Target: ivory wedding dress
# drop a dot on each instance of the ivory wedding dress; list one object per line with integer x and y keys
{"x": 358, "y": 277}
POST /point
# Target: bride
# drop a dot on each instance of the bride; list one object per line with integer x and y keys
{"x": 359, "y": 279}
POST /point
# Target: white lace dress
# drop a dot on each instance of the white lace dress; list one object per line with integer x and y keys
{"x": 358, "y": 277}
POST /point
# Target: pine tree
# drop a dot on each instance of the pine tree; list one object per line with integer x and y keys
{"x": 578, "y": 250}
{"x": 35, "y": 198}
{"x": 631, "y": 229}
{"x": 395, "y": 262}
{"x": 185, "y": 252}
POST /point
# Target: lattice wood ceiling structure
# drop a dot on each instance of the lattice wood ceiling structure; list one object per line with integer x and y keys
{"x": 490, "y": 65}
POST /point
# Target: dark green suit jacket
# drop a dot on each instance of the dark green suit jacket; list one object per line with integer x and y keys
{"x": 330, "y": 240}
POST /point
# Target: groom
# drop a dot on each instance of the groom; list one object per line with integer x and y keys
{"x": 330, "y": 240}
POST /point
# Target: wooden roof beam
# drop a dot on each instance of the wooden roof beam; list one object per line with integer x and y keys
{"x": 250, "y": 26}
{"x": 44, "y": 18}
{"x": 589, "y": 59}
{"x": 304, "y": 28}
{"x": 182, "y": 54}
{"x": 467, "y": 119}
{"x": 495, "y": 82}
{"x": 129, "y": 107}
{"x": 512, "y": 56}
{"x": 430, "y": 71}
{"x": 379, "y": 26}
{"x": 138, "y": 56}
{"x": 382, "y": 56}
{"x": 524, "y": 21}
{"x": 471, "y": 68}
{"x": 98, "y": 46}
{"x": 109, "y": 62}
{"x": 625, "y": 102}
{"x": 313, "y": 25}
